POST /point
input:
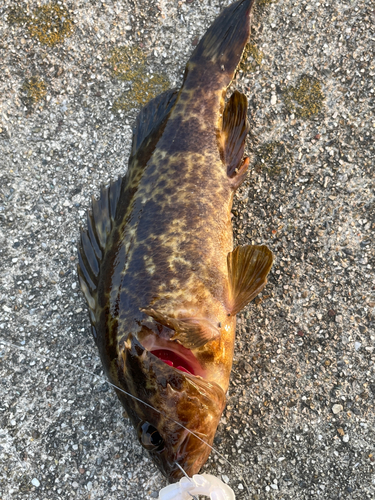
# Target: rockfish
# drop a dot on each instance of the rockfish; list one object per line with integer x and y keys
{"x": 156, "y": 263}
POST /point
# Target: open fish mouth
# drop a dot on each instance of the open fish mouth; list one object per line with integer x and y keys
{"x": 172, "y": 358}
{"x": 174, "y": 355}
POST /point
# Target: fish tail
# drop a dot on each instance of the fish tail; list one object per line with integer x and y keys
{"x": 220, "y": 50}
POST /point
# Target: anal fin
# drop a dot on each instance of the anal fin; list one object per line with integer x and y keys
{"x": 248, "y": 268}
{"x": 190, "y": 332}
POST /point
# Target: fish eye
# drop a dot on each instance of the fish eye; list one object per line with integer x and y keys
{"x": 149, "y": 437}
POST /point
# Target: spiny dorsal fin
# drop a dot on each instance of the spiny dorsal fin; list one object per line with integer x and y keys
{"x": 151, "y": 117}
{"x": 248, "y": 267}
{"x": 190, "y": 332}
{"x": 93, "y": 242}
{"x": 100, "y": 220}
{"x": 235, "y": 127}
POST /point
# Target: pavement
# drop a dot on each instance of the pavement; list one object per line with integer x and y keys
{"x": 299, "y": 422}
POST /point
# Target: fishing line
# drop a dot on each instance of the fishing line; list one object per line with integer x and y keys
{"x": 40, "y": 356}
{"x": 184, "y": 473}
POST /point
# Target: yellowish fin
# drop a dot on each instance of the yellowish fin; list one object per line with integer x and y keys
{"x": 248, "y": 268}
{"x": 232, "y": 138}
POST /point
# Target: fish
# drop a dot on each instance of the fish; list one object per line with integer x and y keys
{"x": 156, "y": 262}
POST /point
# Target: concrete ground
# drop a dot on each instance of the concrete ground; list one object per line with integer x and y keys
{"x": 300, "y": 418}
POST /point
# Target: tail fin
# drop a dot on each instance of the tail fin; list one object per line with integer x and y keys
{"x": 223, "y": 44}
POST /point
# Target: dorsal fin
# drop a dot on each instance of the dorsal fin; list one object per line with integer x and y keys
{"x": 232, "y": 137}
{"x": 151, "y": 118}
{"x": 248, "y": 268}
{"x": 116, "y": 198}
{"x": 189, "y": 332}
{"x": 100, "y": 221}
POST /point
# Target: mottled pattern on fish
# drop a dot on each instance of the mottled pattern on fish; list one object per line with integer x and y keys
{"x": 156, "y": 264}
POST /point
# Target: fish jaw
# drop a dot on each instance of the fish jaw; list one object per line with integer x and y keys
{"x": 176, "y": 403}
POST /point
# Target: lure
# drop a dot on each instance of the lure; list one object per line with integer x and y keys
{"x": 199, "y": 484}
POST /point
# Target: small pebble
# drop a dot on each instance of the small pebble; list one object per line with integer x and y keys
{"x": 337, "y": 409}
{"x": 345, "y": 438}
{"x": 35, "y": 482}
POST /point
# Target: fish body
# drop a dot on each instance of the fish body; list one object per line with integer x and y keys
{"x": 156, "y": 262}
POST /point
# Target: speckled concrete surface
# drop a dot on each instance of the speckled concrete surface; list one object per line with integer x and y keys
{"x": 300, "y": 417}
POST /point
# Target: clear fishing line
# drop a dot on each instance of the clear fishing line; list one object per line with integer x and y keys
{"x": 40, "y": 356}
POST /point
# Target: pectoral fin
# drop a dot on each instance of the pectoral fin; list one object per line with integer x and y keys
{"x": 190, "y": 332}
{"x": 248, "y": 267}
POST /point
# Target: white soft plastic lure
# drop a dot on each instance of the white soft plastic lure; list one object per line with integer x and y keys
{"x": 199, "y": 484}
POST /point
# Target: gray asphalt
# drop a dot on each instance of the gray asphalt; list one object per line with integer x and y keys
{"x": 300, "y": 417}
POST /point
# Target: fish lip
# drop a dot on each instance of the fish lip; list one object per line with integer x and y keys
{"x": 153, "y": 342}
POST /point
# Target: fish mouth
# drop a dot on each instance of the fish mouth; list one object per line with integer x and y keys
{"x": 174, "y": 355}
{"x": 172, "y": 358}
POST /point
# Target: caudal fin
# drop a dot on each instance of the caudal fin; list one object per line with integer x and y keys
{"x": 222, "y": 46}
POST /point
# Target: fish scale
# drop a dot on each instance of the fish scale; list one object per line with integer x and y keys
{"x": 157, "y": 265}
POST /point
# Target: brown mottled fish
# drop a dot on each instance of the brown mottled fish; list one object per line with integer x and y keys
{"x": 156, "y": 262}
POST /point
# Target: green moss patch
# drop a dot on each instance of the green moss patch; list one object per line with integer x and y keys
{"x": 273, "y": 158}
{"x": 263, "y": 3}
{"x": 251, "y": 59}
{"x": 17, "y": 15}
{"x": 130, "y": 65}
{"x": 33, "y": 90}
{"x": 125, "y": 62}
{"x": 50, "y": 24}
{"x": 306, "y": 99}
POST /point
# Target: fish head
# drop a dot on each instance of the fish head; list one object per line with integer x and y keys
{"x": 175, "y": 412}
